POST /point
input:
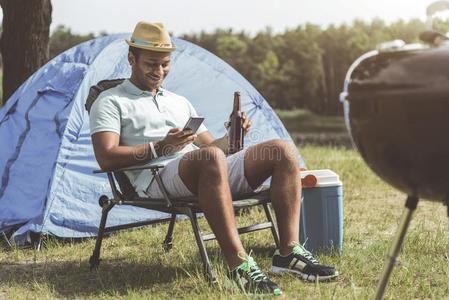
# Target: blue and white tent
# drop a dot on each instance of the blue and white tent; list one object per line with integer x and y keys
{"x": 46, "y": 157}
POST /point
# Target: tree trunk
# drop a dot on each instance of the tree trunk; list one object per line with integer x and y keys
{"x": 24, "y": 41}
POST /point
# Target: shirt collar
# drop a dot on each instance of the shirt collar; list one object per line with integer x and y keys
{"x": 134, "y": 90}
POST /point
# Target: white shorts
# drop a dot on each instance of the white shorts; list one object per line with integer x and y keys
{"x": 176, "y": 187}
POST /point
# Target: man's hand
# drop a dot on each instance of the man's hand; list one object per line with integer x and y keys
{"x": 175, "y": 140}
{"x": 246, "y": 123}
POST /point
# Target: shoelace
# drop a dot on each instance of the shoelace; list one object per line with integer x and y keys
{"x": 251, "y": 268}
{"x": 300, "y": 250}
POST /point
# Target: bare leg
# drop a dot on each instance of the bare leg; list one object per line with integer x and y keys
{"x": 276, "y": 158}
{"x": 204, "y": 172}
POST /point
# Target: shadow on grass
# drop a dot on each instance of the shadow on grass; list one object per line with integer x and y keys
{"x": 74, "y": 279}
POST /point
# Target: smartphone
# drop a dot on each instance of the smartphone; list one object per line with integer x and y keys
{"x": 193, "y": 124}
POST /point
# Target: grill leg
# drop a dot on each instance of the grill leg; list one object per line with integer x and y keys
{"x": 274, "y": 229}
{"x": 94, "y": 260}
{"x": 168, "y": 242}
{"x": 210, "y": 273}
{"x": 410, "y": 205}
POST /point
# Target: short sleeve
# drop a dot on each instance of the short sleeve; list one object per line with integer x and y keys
{"x": 193, "y": 113}
{"x": 104, "y": 115}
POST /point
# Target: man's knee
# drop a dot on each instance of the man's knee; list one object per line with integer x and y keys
{"x": 209, "y": 162}
{"x": 211, "y": 159}
{"x": 277, "y": 150}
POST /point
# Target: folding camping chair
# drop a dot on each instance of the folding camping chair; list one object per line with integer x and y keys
{"x": 125, "y": 194}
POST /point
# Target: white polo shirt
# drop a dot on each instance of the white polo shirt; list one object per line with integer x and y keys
{"x": 139, "y": 118}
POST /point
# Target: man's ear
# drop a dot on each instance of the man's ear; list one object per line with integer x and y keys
{"x": 131, "y": 58}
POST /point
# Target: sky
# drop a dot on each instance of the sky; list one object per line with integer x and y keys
{"x": 187, "y": 16}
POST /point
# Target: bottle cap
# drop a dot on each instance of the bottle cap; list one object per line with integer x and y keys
{"x": 309, "y": 180}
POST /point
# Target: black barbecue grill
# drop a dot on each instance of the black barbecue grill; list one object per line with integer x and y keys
{"x": 396, "y": 104}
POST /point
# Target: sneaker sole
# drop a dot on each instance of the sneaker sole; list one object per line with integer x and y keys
{"x": 303, "y": 276}
{"x": 241, "y": 286}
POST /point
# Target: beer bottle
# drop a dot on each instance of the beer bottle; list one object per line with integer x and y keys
{"x": 235, "y": 129}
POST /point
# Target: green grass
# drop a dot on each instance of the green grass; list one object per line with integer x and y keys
{"x": 307, "y": 128}
{"x": 304, "y": 121}
{"x": 134, "y": 265}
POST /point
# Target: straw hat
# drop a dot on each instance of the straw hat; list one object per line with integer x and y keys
{"x": 151, "y": 36}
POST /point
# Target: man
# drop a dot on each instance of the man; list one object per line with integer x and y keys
{"x": 138, "y": 121}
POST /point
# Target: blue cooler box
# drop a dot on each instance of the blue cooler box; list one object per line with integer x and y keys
{"x": 321, "y": 223}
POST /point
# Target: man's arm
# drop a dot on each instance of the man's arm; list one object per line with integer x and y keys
{"x": 206, "y": 139}
{"x": 111, "y": 156}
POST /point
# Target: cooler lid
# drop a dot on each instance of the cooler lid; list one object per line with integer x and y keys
{"x": 325, "y": 177}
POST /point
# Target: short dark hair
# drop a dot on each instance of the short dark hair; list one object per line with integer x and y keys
{"x": 135, "y": 51}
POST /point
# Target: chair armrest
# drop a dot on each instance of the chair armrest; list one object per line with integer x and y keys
{"x": 133, "y": 168}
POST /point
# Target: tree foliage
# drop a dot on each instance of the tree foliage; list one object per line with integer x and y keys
{"x": 305, "y": 67}
{"x": 62, "y": 39}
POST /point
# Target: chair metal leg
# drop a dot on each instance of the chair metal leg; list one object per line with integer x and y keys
{"x": 210, "y": 273}
{"x": 94, "y": 260}
{"x": 396, "y": 247}
{"x": 168, "y": 242}
{"x": 36, "y": 240}
{"x": 6, "y": 239}
{"x": 274, "y": 228}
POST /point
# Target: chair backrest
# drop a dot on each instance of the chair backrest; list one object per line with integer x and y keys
{"x": 125, "y": 185}
{"x": 97, "y": 89}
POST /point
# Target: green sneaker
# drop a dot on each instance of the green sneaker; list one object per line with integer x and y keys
{"x": 301, "y": 263}
{"x": 251, "y": 279}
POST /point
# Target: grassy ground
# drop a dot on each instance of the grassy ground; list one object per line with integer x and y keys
{"x": 300, "y": 120}
{"x": 135, "y": 267}
{"x": 307, "y": 128}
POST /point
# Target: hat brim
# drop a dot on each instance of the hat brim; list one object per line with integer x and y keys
{"x": 151, "y": 48}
